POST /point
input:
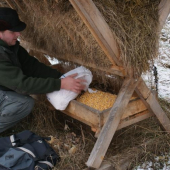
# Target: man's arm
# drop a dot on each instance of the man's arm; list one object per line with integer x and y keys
{"x": 32, "y": 67}
{"x": 12, "y": 77}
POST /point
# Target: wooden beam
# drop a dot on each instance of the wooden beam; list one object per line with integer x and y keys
{"x": 104, "y": 166}
{"x": 164, "y": 10}
{"x": 153, "y": 105}
{"x": 120, "y": 71}
{"x": 133, "y": 107}
{"x": 96, "y": 118}
{"x": 95, "y": 22}
{"x": 143, "y": 87}
{"x": 134, "y": 119}
{"x": 108, "y": 130}
{"x": 115, "y": 70}
{"x": 83, "y": 113}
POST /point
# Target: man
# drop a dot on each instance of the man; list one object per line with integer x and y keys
{"x": 22, "y": 74}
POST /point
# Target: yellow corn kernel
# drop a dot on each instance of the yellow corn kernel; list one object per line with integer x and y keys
{"x": 99, "y": 100}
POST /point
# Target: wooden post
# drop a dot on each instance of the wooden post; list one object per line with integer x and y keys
{"x": 164, "y": 10}
{"x": 152, "y": 104}
{"x": 108, "y": 130}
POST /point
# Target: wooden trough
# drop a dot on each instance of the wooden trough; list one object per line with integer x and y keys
{"x": 124, "y": 111}
{"x": 134, "y": 112}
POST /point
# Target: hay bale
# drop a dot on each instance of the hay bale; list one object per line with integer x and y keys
{"x": 55, "y": 27}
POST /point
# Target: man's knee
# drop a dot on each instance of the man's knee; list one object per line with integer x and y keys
{"x": 16, "y": 105}
{"x": 28, "y": 105}
{"x": 12, "y": 114}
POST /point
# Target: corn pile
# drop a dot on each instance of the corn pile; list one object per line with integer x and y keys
{"x": 98, "y": 100}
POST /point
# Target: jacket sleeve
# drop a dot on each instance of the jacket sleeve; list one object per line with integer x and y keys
{"x": 32, "y": 67}
{"x": 13, "y": 77}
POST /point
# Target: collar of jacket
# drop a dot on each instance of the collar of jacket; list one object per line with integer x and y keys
{"x": 8, "y": 48}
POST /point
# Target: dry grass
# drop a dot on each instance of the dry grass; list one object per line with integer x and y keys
{"x": 56, "y": 28}
{"x": 67, "y": 134}
{"x": 134, "y": 24}
{"x": 129, "y": 147}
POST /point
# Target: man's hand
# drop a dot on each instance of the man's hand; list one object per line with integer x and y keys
{"x": 72, "y": 84}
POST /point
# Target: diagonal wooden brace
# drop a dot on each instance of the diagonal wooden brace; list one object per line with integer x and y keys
{"x": 108, "y": 130}
{"x": 100, "y": 30}
{"x": 152, "y": 104}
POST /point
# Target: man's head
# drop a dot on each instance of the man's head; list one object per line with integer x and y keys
{"x": 10, "y": 25}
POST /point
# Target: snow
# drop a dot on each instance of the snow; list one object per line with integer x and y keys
{"x": 160, "y": 163}
{"x": 164, "y": 59}
{"x": 51, "y": 60}
{"x": 162, "y": 64}
{"x": 163, "y": 91}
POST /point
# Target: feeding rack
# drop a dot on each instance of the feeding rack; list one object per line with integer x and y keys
{"x": 125, "y": 111}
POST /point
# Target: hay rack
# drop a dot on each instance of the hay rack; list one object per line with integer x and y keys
{"x": 124, "y": 111}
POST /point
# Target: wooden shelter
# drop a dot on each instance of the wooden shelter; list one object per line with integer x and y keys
{"x": 124, "y": 111}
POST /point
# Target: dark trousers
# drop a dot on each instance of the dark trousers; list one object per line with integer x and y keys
{"x": 13, "y": 108}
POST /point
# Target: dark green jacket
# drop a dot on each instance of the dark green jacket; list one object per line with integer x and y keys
{"x": 23, "y": 73}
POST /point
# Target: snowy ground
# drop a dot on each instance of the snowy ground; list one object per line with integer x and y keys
{"x": 162, "y": 64}
{"x": 163, "y": 69}
{"x": 164, "y": 60}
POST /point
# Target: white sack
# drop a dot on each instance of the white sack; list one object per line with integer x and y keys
{"x": 60, "y": 99}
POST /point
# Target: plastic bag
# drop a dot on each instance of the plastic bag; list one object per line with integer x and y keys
{"x": 60, "y": 99}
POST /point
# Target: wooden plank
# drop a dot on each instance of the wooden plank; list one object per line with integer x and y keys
{"x": 108, "y": 130}
{"x": 158, "y": 111}
{"x": 83, "y": 113}
{"x": 164, "y": 10}
{"x": 95, "y": 118}
{"x": 116, "y": 70}
{"x": 113, "y": 70}
{"x": 95, "y": 22}
{"x": 134, "y": 119}
{"x": 143, "y": 88}
{"x": 106, "y": 166}
{"x": 132, "y": 108}
{"x": 153, "y": 105}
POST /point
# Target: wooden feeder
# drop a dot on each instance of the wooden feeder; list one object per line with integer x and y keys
{"x": 135, "y": 111}
{"x": 124, "y": 111}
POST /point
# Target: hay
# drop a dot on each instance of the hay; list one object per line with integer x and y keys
{"x": 46, "y": 122}
{"x": 55, "y": 27}
{"x": 132, "y": 145}
{"x": 134, "y": 24}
